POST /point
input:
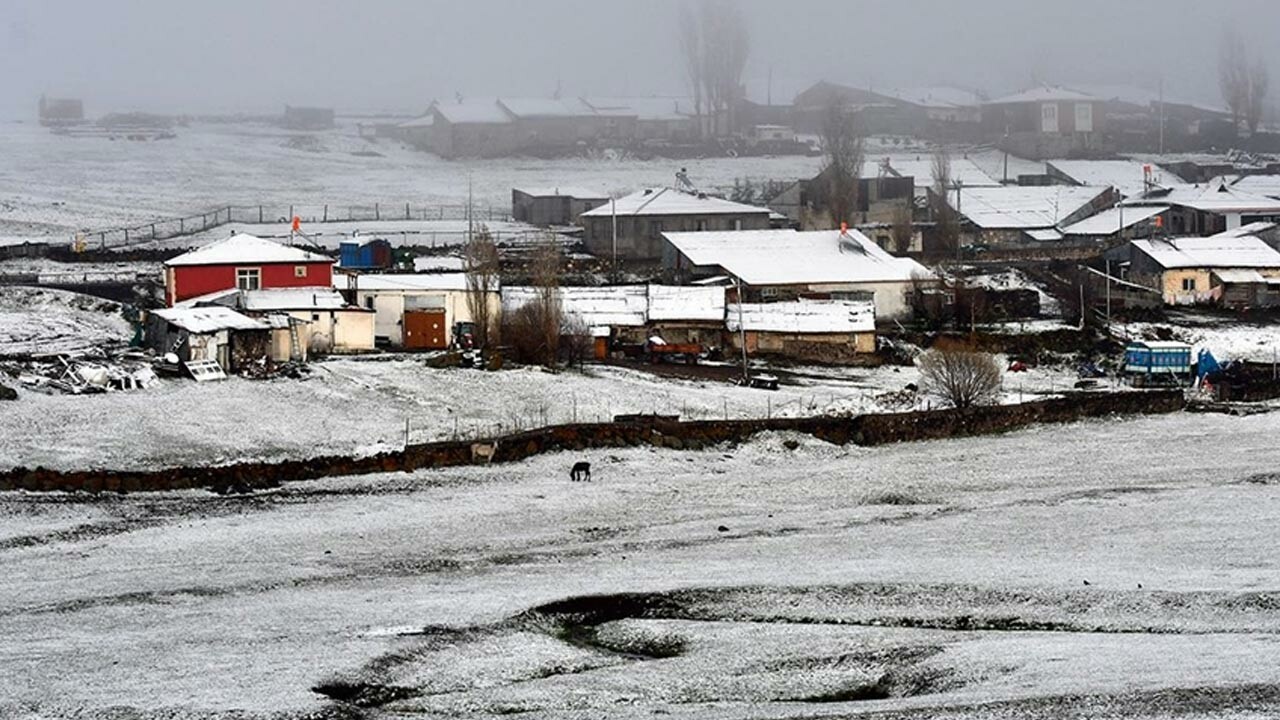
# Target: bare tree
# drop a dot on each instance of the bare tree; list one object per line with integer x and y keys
{"x": 546, "y": 280}
{"x": 946, "y": 220}
{"x": 715, "y": 44}
{"x": 842, "y": 146}
{"x": 1259, "y": 79}
{"x": 1244, "y": 86}
{"x": 901, "y": 231}
{"x": 482, "y": 265}
{"x": 960, "y": 378}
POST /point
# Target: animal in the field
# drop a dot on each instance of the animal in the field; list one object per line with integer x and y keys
{"x": 581, "y": 472}
{"x": 483, "y": 451}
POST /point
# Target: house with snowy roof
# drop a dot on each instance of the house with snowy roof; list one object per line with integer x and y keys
{"x": 1231, "y": 270}
{"x": 643, "y": 217}
{"x": 555, "y": 205}
{"x": 1011, "y": 217}
{"x": 415, "y": 311}
{"x": 244, "y": 262}
{"x": 788, "y": 265}
{"x": 1207, "y": 209}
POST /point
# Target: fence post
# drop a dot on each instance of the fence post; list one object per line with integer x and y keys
{"x": 377, "y": 212}
{"x": 260, "y": 215}
{"x": 406, "y": 211}
{"x": 126, "y": 236}
{"x": 290, "y": 213}
{"x": 153, "y": 231}
{"x": 182, "y": 226}
{"x": 326, "y": 214}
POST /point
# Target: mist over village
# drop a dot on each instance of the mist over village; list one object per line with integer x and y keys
{"x": 688, "y": 358}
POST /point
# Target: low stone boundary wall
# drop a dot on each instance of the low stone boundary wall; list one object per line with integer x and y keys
{"x": 867, "y": 430}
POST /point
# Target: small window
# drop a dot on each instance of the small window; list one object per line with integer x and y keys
{"x": 315, "y": 317}
{"x": 769, "y": 292}
{"x": 248, "y": 278}
{"x": 737, "y": 223}
{"x": 1188, "y": 284}
{"x": 368, "y": 302}
{"x": 300, "y": 271}
{"x": 655, "y": 228}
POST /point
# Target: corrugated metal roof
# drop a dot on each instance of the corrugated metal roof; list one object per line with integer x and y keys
{"x": 1112, "y": 220}
{"x": 1022, "y": 208}
{"x": 804, "y": 316}
{"x": 686, "y": 302}
{"x": 1210, "y": 252}
{"x": 669, "y": 201}
{"x": 203, "y": 320}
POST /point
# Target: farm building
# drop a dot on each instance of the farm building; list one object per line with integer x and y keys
{"x": 243, "y": 262}
{"x": 1208, "y": 209}
{"x": 643, "y": 217}
{"x": 684, "y": 314}
{"x": 216, "y": 333}
{"x": 415, "y": 311}
{"x": 322, "y": 318}
{"x": 1233, "y": 271}
{"x": 806, "y": 202}
{"x": 825, "y": 330}
{"x": 778, "y": 265}
{"x": 1011, "y": 217}
{"x": 554, "y": 206}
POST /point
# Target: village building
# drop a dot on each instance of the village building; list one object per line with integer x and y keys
{"x": 218, "y": 334}
{"x": 877, "y": 113}
{"x": 806, "y": 203}
{"x": 56, "y": 112}
{"x": 555, "y": 205}
{"x": 416, "y": 311}
{"x": 643, "y": 217}
{"x": 314, "y": 319}
{"x": 415, "y": 132}
{"x": 1114, "y": 225}
{"x": 1129, "y": 177}
{"x": 820, "y": 330}
{"x": 784, "y": 265}
{"x": 1011, "y": 217}
{"x": 687, "y": 314}
{"x": 1046, "y": 122}
{"x": 666, "y": 119}
{"x": 943, "y": 106}
{"x": 243, "y": 262}
{"x": 1209, "y": 209}
{"x": 1234, "y": 271}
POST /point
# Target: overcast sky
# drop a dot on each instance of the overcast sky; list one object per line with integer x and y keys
{"x": 256, "y": 55}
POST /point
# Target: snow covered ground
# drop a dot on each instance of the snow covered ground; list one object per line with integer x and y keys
{"x": 1113, "y": 568}
{"x": 1226, "y": 338}
{"x": 38, "y": 320}
{"x": 51, "y": 185}
{"x": 362, "y": 405}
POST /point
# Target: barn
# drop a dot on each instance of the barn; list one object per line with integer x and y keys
{"x": 244, "y": 262}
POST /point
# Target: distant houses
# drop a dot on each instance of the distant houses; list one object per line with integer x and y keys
{"x": 1208, "y": 209}
{"x": 1236, "y": 271}
{"x": 1047, "y": 122}
{"x": 1013, "y": 217}
{"x": 57, "y": 112}
{"x": 644, "y": 216}
{"x": 554, "y": 206}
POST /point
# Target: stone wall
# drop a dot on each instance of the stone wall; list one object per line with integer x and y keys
{"x": 862, "y": 430}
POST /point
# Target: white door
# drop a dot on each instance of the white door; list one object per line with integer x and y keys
{"x": 1049, "y": 117}
{"x": 1084, "y": 117}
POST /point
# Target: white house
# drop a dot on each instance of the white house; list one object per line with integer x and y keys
{"x": 415, "y": 311}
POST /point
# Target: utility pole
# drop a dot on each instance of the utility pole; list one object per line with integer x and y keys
{"x": 613, "y": 211}
{"x": 742, "y": 332}
{"x": 469, "y": 228}
{"x": 1108, "y": 295}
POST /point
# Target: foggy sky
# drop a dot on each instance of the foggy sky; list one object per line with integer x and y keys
{"x": 256, "y": 55}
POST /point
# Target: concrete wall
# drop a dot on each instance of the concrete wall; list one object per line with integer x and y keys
{"x": 338, "y": 331}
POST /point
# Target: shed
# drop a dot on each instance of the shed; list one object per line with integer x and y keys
{"x": 214, "y": 333}
{"x": 824, "y": 330}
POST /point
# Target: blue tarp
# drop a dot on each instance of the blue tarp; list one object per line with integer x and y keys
{"x": 1206, "y": 363}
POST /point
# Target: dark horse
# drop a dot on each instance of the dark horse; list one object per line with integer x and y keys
{"x": 581, "y": 471}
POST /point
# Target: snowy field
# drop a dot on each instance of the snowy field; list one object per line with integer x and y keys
{"x": 1004, "y": 577}
{"x": 51, "y": 186}
{"x": 362, "y": 405}
{"x": 38, "y": 320}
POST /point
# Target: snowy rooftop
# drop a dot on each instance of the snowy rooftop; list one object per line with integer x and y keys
{"x": 1022, "y": 207}
{"x": 804, "y": 316}
{"x": 1268, "y": 185}
{"x": 1217, "y": 196}
{"x": 1253, "y": 228}
{"x": 546, "y": 107}
{"x": 920, "y": 167}
{"x": 244, "y": 248}
{"x": 302, "y": 298}
{"x": 1046, "y": 93}
{"x": 644, "y": 108}
{"x": 937, "y": 97}
{"x": 564, "y": 191}
{"x": 1210, "y": 252}
{"x": 1112, "y": 220}
{"x": 669, "y": 201}
{"x": 409, "y": 282}
{"x": 1127, "y": 176}
{"x": 473, "y": 111}
{"x": 790, "y": 257}
{"x": 424, "y": 121}
{"x": 614, "y": 305}
{"x": 686, "y": 302}
{"x": 202, "y": 320}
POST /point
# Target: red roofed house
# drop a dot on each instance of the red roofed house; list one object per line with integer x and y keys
{"x": 244, "y": 262}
